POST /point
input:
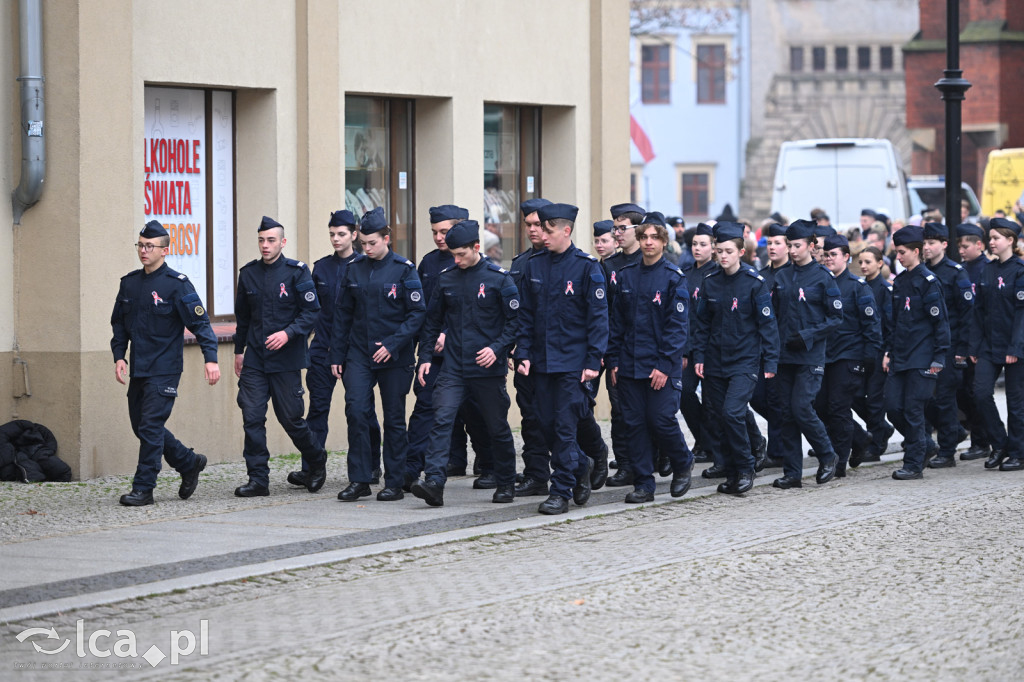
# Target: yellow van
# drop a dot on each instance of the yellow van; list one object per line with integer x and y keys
{"x": 1004, "y": 181}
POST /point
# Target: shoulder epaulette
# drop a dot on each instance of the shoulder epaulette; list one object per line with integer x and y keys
{"x": 251, "y": 263}
{"x": 583, "y": 254}
{"x": 133, "y": 272}
{"x": 862, "y": 280}
{"x": 714, "y": 273}
{"x": 752, "y": 273}
{"x": 294, "y": 263}
{"x": 627, "y": 266}
{"x": 930, "y": 278}
{"x": 956, "y": 265}
{"x": 491, "y": 265}
{"x": 402, "y": 259}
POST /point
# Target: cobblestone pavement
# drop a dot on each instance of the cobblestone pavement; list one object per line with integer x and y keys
{"x": 866, "y": 578}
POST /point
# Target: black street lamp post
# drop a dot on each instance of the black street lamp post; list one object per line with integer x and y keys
{"x": 953, "y": 86}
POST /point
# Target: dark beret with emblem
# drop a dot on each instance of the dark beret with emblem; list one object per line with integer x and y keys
{"x": 558, "y": 212}
{"x": 969, "y": 230}
{"x": 836, "y": 241}
{"x": 603, "y": 227}
{"x": 1005, "y": 224}
{"x": 462, "y": 234}
{"x": 268, "y": 223}
{"x": 801, "y": 229}
{"x": 703, "y": 229}
{"x": 726, "y": 230}
{"x": 776, "y": 230}
{"x": 935, "y": 231}
{"x": 533, "y": 205}
{"x": 654, "y": 218}
{"x": 439, "y": 214}
{"x": 343, "y": 217}
{"x": 868, "y": 212}
{"x": 373, "y": 221}
{"x": 911, "y": 234}
{"x": 153, "y": 229}
{"x": 824, "y": 231}
{"x": 619, "y": 209}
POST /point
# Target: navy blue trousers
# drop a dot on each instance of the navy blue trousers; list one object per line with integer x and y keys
{"x": 394, "y": 383}
{"x": 798, "y": 386}
{"x": 1010, "y": 437}
{"x": 728, "y": 398}
{"x": 255, "y": 389}
{"x": 562, "y": 403}
{"x": 650, "y": 420}
{"x": 320, "y": 383}
{"x": 451, "y": 391}
{"x": 942, "y": 412}
{"x": 150, "y": 400}
{"x": 906, "y": 394}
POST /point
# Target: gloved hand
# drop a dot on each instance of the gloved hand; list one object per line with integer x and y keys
{"x": 796, "y": 343}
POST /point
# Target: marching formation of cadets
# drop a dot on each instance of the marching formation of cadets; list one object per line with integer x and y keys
{"x": 804, "y": 342}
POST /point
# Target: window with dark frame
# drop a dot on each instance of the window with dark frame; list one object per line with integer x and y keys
{"x": 511, "y": 174}
{"x": 885, "y": 58}
{"x": 695, "y": 194}
{"x": 842, "y": 58}
{"x": 863, "y": 58}
{"x": 711, "y": 74}
{"x": 796, "y": 59}
{"x": 818, "y": 58}
{"x": 655, "y": 69}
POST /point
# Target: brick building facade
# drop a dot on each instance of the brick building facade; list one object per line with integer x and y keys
{"x": 992, "y": 59}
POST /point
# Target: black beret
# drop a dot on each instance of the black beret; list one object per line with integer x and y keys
{"x": 935, "y": 231}
{"x": 533, "y": 205}
{"x": 342, "y": 217}
{"x": 836, "y": 241}
{"x": 373, "y": 221}
{"x": 726, "y": 229}
{"x": 653, "y": 218}
{"x": 153, "y": 229}
{"x": 462, "y": 234}
{"x": 675, "y": 221}
{"x": 801, "y": 229}
{"x": 704, "y": 229}
{"x": 824, "y": 231}
{"x": 557, "y": 211}
{"x": 969, "y": 230}
{"x": 777, "y": 217}
{"x": 603, "y": 227}
{"x": 776, "y": 230}
{"x": 439, "y": 214}
{"x": 1004, "y": 223}
{"x": 882, "y": 218}
{"x": 868, "y": 212}
{"x": 911, "y": 234}
{"x": 619, "y": 209}
{"x": 268, "y": 224}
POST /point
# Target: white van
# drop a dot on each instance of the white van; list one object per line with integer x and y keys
{"x": 841, "y": 176}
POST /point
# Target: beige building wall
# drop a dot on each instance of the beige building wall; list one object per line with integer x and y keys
{"x": 291, "y": 65}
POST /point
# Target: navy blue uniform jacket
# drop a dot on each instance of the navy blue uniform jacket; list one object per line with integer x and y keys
{"x": 734, "y": 325}
{"x": 564, "y": 313}
{"x": 649, "y": 320}
{"x": 151, "y": 312}
{"x": 478, "y": 307}
{"x": 920, "y": 330}
{"x": 958, "y": 293}
{"x": 806, "y": 299}
{"x": 272, "y": 298}
{"x": 381, "y": 303}
{"x": 859, "y": 336}
{"x": 328, "y": 273}
{"x": 998, "y": 329}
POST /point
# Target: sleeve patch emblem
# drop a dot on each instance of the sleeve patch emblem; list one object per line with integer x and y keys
{"x": 415, "y": 296}
{"x": 514, "y": 304}
{"x": 198, "y": 311}
{"x": 599, "y": 293}
{"x": 310, "y": 296}
{"x": 934, "y": 311}
{"x": 837, "y": 304}
{"x": 766, "y": 311}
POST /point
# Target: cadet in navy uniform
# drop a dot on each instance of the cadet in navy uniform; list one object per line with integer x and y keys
{"x": 942, "y": 412}
{"x": 997, "y": 344}
{"x": 850, "y": 351}
{"x": 765, "y": 399}
{"x": 645, "y": 360}
{"x": 276, "y": 308}
{"x": 563, "y": 335}
{"x": 152, "y": 309}
{"x": 705, "y": 444}
{"x": 625, "y": 219}
{"x": 478, "y": 304}
{"x": 735, "y": 340}
{"x": 807, "y": 303}
{"x": 916, "y": 350}
{"x": 380, "y": 311}
{"x": 327, "y": 275}
{"x": 422, "y": 418}
{"x": 869, "y": 444}
{"x": 536, "y": 455}
{"x": 971, "y": 241}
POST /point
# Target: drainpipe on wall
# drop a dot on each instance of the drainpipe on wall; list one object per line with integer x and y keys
{"x": 33, "y": 144}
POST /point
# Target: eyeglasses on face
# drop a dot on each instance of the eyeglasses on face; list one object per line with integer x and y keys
{"x": 147, "y": 247}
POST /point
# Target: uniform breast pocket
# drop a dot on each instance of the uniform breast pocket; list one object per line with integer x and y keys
{"x": 164, "y": 317}
{"x": 394, "y": 294}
